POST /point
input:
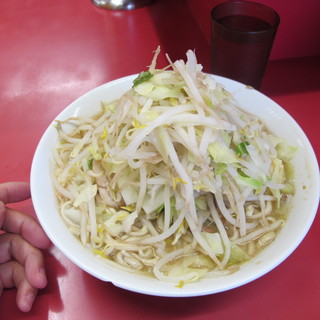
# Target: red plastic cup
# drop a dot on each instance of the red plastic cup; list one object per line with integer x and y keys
{"x": 241, "y": 40}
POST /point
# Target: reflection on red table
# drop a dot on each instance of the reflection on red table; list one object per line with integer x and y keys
{"x": 54, "y": 51}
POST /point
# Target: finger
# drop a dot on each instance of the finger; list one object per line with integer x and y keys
{"x": 12, "y": 274}
{"x": 12, "y": 246}
{"x": 16, "y": 222}
{"x": 14, "y": 191}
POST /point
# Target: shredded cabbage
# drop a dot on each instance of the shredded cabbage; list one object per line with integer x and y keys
{"x": 173, "y": 178}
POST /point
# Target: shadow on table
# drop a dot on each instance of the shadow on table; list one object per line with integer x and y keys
{"x": 153, "y": 307}
{"x": 50, "y": 298}
{"x": 178, "y": 31}
{"x": 293, "y": 75}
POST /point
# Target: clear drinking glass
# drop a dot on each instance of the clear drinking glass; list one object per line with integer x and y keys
{"x": 241, "y": 40}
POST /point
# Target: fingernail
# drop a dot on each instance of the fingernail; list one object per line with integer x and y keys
{"x": 2, "y": 207}
{"x": 29, "y": 301}
{"x": 42, "y": 273}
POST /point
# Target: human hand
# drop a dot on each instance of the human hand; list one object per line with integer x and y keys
{"x": 21, "y": 261}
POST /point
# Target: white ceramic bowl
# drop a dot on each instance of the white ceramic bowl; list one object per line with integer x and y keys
{"x": 295, "y": 229}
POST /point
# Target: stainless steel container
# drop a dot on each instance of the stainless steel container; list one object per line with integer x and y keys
{"x": 120, "y": 4}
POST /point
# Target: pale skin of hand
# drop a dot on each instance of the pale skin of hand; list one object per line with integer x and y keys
{"x": 21, "y": 259}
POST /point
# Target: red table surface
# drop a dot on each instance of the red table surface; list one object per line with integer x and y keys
{"x": 52, "y": 52}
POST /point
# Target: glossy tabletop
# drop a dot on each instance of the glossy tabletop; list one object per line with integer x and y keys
{"x": 52, "y": 52}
